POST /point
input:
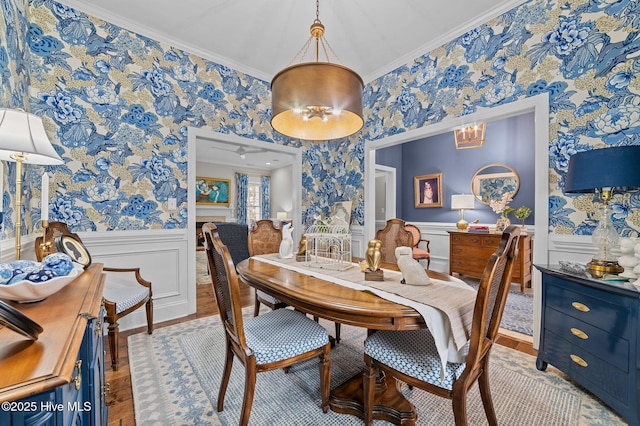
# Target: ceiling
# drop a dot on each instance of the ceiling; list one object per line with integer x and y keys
{"x": 260, "y": 37}
{"x": 227, "y": 153}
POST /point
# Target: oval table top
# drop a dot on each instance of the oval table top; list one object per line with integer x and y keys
{"x": 332, "y": 301}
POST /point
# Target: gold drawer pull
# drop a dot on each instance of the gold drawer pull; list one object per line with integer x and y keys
{"x": 77, "y": 381}
{"x": 581, "y": 362}
{"x": 581, "y": 307}
{"x": 579, "y": 333}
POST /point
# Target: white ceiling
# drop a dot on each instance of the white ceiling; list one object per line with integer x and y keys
{"x": 260, "y": 37}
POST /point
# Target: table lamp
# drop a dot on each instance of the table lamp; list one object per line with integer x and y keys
{"x": 603, "y": 172}
{"x": 24, "y": 140}
{"x": 462, "y": 202}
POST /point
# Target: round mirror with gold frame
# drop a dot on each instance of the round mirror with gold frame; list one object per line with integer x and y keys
{"x": 490, "y": 182}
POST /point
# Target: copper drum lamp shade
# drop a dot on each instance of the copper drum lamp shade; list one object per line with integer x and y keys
{"x": 317, "y": 101}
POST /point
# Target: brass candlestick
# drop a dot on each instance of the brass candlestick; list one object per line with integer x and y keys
{"x": 45, "y": 246}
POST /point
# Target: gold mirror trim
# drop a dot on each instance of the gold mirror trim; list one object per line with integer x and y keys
{"x": 478, "y": 176}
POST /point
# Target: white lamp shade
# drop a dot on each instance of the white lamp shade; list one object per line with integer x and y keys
{"x": 462, "y": 202}
{"x": 23, "y": 133}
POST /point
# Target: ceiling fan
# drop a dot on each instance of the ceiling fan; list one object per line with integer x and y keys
{"x": 242, "y": 151}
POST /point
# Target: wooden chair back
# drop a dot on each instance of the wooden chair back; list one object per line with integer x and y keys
{"x": 492, "y": 296}
{"x": 393, "y": 235}
{"x": 225, "y": 285}
{"x": 264, "y": 238}
{"x": 415, "y": 233}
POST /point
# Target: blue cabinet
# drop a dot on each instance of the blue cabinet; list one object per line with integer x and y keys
{"x": 57, "y": 380}
{"x": 590, "y": 332}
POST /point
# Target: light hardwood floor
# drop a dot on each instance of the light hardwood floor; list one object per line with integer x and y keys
{"x": 120, "y": 399}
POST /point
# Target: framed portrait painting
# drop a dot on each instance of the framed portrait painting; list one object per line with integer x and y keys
{"x": 428, "y": 190}
{"x": 213, "y": 191}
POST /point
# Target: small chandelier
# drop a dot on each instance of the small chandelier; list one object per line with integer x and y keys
{"x": 470, "y": 137}
{"x": 316, "y": 100}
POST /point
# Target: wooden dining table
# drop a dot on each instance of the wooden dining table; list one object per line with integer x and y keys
{"x": 337, "y": 303}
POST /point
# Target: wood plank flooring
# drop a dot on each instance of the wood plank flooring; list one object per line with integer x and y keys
{"x": 120, "y": 398}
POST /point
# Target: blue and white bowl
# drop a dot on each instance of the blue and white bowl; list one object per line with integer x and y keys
{"x": 25, "y": 291}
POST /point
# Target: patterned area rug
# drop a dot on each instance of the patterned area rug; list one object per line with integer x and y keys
{"x": 176, "y": 372}
{"x": 518, "y": 310}
{"x": 202, "y": 268}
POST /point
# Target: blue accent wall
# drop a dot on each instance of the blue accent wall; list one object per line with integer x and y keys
{"x": 509, "y": 141}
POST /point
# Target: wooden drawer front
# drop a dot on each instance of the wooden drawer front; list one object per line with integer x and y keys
{"x": 597, "y": 308}
{"x": 471, "y": 251}
{"x": 598, "y": 376}
{"x": 478, "y": 240}
{"x": 467, "y": 266}
{"x": 589, "y": 338}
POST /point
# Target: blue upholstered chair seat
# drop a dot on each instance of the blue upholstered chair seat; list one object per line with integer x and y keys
{"x": 413, "y": 353}
{"x": 268, "y": 298}
{"x": 282, "y": 334}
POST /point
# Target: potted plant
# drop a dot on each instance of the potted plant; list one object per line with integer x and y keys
{"x": 522, "y": 213}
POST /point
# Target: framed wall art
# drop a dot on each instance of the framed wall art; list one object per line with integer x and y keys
{"x": 428, "y": 190}
{"x": 213, "y": 191}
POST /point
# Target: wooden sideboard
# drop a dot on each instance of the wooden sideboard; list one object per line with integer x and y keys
{"x": 469, "y": 253}
{"x": 590, "y": 330}
{"x": 59, "y": 378}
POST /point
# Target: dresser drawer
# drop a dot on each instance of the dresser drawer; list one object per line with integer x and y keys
{"x": 478, "y": 240}
{"x": 592, "y": 307}
{"x": 596, "y": 374}
{"x": 589, "y": 338}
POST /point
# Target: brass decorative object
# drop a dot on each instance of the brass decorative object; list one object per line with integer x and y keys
{"x": 373, "y": 259}
{"x": 45, "y": 246}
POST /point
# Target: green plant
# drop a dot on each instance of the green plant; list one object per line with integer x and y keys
{"x": 522, "y": 212}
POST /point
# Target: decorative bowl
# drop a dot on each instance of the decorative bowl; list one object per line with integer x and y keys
{"x": 27, "y": 291}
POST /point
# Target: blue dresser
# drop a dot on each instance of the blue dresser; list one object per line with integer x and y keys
{"x": 591, "y": 331}
{"x": 58, "y": 379}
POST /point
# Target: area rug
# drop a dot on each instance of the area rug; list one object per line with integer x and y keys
{"x": 202, "y": 268}
{"x": 175, "y": 374}
{"x": 518, "y": 309}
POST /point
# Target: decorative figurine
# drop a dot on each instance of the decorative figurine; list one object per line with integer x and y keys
{"x": 412, "y": 272}
{"x": 373, "y": 259}
{"x": 286, "y": 246}
{"x": 302, "y": 249}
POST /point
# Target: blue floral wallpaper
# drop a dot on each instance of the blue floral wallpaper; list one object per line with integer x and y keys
{"x": 583, "y": 53}
{"x": 117, "y": 106}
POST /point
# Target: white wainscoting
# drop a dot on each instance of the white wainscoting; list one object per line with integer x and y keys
{"x": 161, "y": 256}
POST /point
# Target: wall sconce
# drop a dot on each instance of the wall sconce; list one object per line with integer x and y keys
{"x": 603, "y": 171}
{"x": 470, "y": 137}
{"x": 462, "y": 202}
{"x": 24, "y": 140}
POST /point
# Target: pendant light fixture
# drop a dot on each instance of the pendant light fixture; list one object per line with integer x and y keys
{"x": 316, "y": 100}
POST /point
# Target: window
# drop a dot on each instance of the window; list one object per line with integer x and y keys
{"x": 254, "y": 206}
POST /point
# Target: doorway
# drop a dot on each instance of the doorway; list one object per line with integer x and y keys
{"x": 539, "y": 105}
{"x": 197, "y": 139}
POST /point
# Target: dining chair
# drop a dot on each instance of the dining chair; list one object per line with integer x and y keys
{"x": 393, "y": 235}
{"x": 265, "y": 238}
{"x": 277, "y": 339}
{"x": 411, "y": 356}
{"x": 418, "y": 252}
{"x": 124, "y": 289}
